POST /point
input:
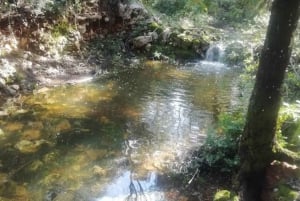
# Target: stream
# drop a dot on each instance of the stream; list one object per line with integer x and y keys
{"x": 112, "y": 139}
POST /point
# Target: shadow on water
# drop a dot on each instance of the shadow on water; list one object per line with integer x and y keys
{"x": 110, "y": 139}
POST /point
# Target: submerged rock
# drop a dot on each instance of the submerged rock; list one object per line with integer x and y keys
{"x": 7, "y": 186}
{"x": 31, "y": 134}
{"x": 64, "y": 125}
{"x": 99, "y": 171}
{"x": 22, "y": 193}
{"x": 13, "y": 126}
{"x": 65, "y": 196}
{"x": 2, "y": 134}
{"x": 36, "y": 125}
{"x": 59, "y": 194}
{"x": 51, "y": 156}
{"x": 35, "y": 165}
{"x": 26, "y": 146}
{"x": 3, "y": 113}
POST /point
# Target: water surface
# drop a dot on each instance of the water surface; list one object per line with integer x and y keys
{"x": 110, "y": 139}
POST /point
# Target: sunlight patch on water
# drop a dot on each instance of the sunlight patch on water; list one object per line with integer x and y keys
{"x": 207, "y": 67}
{"x": 178, "y": 74}
{"x": 72, "y": 101}
{"x": 98, "y": 138}
{"x": 126, "y": 187}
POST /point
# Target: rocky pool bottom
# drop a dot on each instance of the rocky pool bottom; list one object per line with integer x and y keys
{"x": 115, "y": 138}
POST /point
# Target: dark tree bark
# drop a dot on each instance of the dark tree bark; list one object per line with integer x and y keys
{"x": 258, "y": 137}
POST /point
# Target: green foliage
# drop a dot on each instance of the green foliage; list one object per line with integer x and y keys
{"x": 284, "y": 193}
{"x": 61, "y": 7}
{"x": 235, "y": 11}
{"x": 55, "y": 6}
{"x": 288, "y": 126}
{"x": 292, "y": 85}
{"x": 220, "y": 150}
{"x": 226, "y": 10}
{"x": 169, "y": 7}
{"x": 61, "y": 29}
{"x": 196, "y": 6}
{"x": 225, "y": 195}
{"x": 236, "y": 53}
{"x": 292, "y": 81}
{"x": 231, "y": 124}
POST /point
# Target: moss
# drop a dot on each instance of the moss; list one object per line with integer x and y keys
{"x": 61, "y": 29}
{"x": 185, "y": 54}
{"x": 225, "y": 195}
{"x": 284, "y": 193}
{"x": 156, "y": 27}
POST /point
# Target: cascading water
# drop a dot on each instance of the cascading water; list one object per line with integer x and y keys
{"x": 214, "y": 53}
{"x": 213, "y": 61}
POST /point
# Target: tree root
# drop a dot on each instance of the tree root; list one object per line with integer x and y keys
{"x": 282, "y": 154}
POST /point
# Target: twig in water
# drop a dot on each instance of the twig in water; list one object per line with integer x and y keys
{"x": 191, "y": 180}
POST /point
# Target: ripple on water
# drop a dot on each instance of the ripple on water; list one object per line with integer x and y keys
{"x": 148, "y": 118}
{"x": 126, "y": 187}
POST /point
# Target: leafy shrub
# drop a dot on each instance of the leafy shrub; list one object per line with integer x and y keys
{"x": 288, "y": 126}
{"x": 285, "y": 193}
{"x": 231, "y": 11}
{"x": 225, "y": 195}
{"x": 61, "y": 29}
{"x": 220, "y": 150}
{"x": 196, "y": 6}
{"x": 237, "y": 53}
{"x": 169, "y": 7}
{"x": 292, "y": 85}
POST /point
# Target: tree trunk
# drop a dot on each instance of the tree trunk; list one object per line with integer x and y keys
{"x": 258, "y": 137}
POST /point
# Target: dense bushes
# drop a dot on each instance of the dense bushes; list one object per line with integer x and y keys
{"x": 288, "y": 126}
{"x": 169, "y": 7}
{"x": 236, "y": 54}
{"x": 224, "y": 10}
{"x": 220, "y": 150}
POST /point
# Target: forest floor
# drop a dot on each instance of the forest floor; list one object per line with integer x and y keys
{"x": 33, "y": 72}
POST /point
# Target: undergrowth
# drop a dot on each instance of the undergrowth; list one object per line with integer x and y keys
{"x": 220, "y": 150}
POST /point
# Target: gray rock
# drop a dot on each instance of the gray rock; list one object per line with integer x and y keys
{"x": 27, "y": 146}
{"x": 141, "y": 41}
{"x": 7, "y": 186}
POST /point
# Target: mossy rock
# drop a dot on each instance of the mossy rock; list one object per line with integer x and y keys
{"x": 7, "y": 186}
{"x": 184, "y": 41}
{"x": 236, "y": 53}
{"x": 285, "y": 193}
{"x": 153, "y": 26}
{"x": 225, "y": 195}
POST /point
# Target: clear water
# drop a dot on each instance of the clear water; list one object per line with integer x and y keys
{"x": 110, "y": 139}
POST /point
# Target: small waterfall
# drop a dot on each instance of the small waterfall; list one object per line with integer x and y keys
{"x": 213, "y": 62}
{"x": 214, "y": 53}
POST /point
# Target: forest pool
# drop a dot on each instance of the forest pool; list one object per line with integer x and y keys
{"x": 111, "y": 139}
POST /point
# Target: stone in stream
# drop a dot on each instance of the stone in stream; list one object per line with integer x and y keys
{"x": 31, "y": 134}
{"x": 34, "y": 166}
{"x": 7, "y": 186}
{"x": 63, "y": 125}
{"x": 13, "y": 126}
{"x": 61, "y": 195}
{"x": 99, "y": 171}
{"x": 2, "y": 134}
{"x": 3, "y": 113}
{"x": 27, "y": 146}
{"x": 141, "y": 41}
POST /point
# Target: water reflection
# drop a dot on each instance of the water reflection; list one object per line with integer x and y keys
{"x": 106, "y": 140}
{"x": 126, "y": 187}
